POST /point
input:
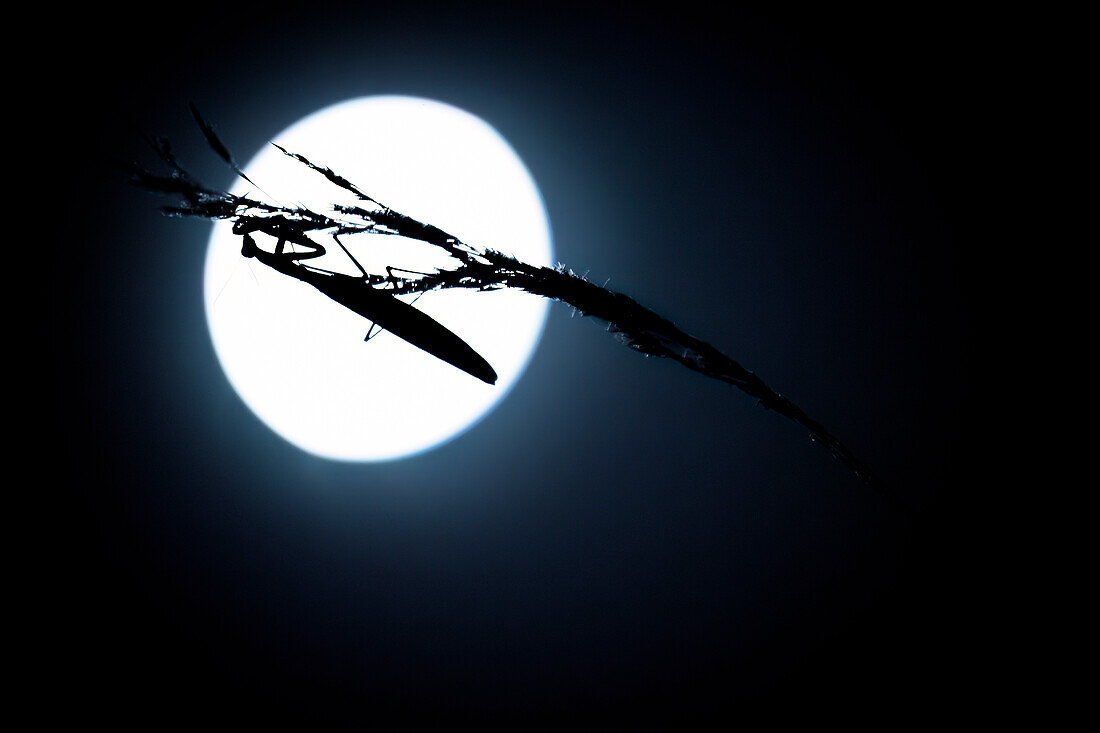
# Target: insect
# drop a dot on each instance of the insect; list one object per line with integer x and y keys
{"x": 383, "y": 309}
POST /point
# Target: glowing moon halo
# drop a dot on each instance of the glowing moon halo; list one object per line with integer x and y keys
{"x": 298, "y": 359}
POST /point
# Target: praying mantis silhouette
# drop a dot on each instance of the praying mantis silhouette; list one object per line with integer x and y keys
{"x": 383, "y": 309}
{"x": 373, "y": 296}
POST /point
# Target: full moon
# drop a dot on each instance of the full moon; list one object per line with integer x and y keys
{"x": 299, "y": 360}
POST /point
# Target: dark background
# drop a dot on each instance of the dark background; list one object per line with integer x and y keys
{"x": 621, "y": 540}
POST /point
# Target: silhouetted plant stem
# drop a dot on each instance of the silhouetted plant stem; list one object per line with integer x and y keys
{"x": 476, "y": 269}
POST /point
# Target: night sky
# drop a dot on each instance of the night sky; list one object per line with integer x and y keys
{"x": 621, "y": 540}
